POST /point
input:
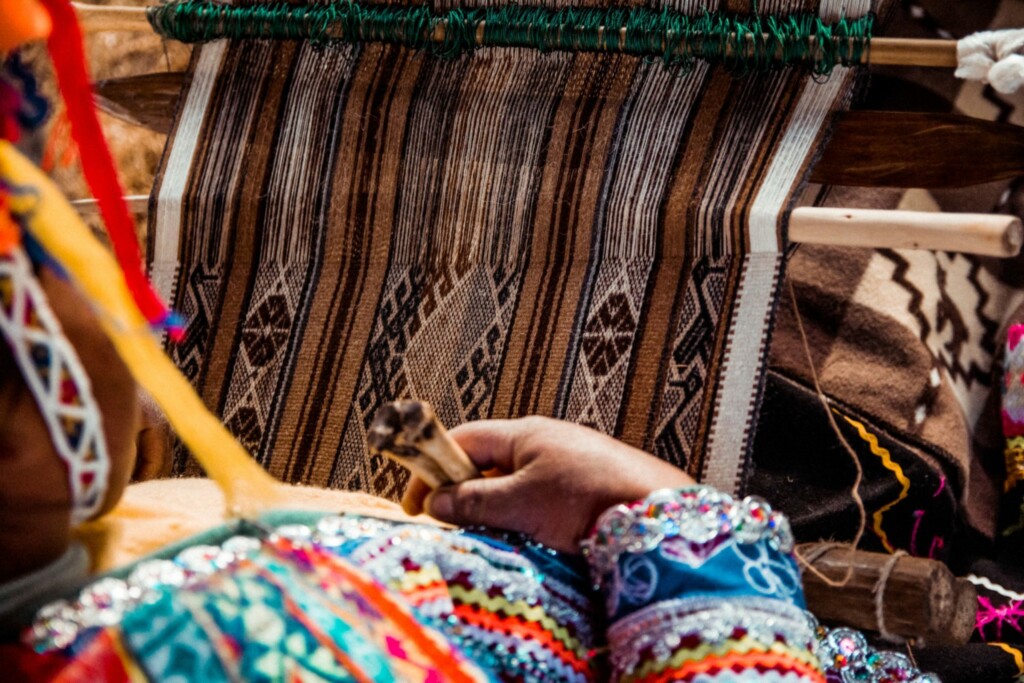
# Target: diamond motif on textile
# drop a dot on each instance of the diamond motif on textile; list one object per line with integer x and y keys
{"x": 608, "y": 335}
{"x": 266, "y": 330}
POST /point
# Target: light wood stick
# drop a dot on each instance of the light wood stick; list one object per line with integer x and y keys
{"x": 911, "y": 52}
{"x": 99, "y": 19}
{"x": 882, "y": 51}
{"x": 137, "y": 203}
{"x": 409, "y": 433}
{"x": 921, "y": 598}
{"x": 985, "y": 234}
{"x": 968, "y": 233}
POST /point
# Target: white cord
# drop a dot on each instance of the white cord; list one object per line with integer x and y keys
{"x": 984, "y": 582}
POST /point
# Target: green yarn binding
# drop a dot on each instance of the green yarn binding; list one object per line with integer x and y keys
{"x": 741, "y": 43}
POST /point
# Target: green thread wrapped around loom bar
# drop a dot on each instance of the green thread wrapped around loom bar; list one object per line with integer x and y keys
{"x": 742, "y": 43}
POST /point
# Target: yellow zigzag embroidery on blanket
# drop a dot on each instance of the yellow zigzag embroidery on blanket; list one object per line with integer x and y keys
{"x": 738, "y": 647}
{"x": 536, "y": 614}
{"x": 888, "y": 463}
{"x": 1018, "y": 658}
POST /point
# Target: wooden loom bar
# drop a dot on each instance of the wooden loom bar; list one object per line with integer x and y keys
{"x": 985, "y": 234}
{"x": 968, "y": 233}
{"x": 98, "y": 19}
{"x": 920, "y": 598}
{"x": 882, "y": 51}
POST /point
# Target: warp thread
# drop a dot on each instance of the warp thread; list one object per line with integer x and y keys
{"x": 742, "y": 43}
{"x": 994, "y": 57}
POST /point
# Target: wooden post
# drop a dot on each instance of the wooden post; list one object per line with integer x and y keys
{"x": 921, "y": 598}
{"x": 912, "y": 52}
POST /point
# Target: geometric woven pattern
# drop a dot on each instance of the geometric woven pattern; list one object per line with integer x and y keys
{"x": 592, "y": 237}
{"x": 58, "y": 382}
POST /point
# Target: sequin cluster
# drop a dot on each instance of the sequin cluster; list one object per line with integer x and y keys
{"x": 105, "y": 602}
{"x": 506, "y": 613}
{"x": 687, "y": 628}
{"x": 847, "y": 658}
{"x": 699, "y": 515}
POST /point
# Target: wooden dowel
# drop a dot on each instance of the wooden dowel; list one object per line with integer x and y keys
{"x": 137, "y": 203}
{"x": 98, "y": 19}
{"x": 969, "y": 233}
{"x": 911, "y": 52}
{"x": 882, "y": 51}
{"x": 920, "y": 599}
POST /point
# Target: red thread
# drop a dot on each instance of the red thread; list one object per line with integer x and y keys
{"x": 65, "y": 45}
{"x": 10, "y": 235}
{"x": 10, "y": 102}
{"x": 1014, "y": 335}
{"x": 937, "y": 544}
{"x": 919, "y": 515}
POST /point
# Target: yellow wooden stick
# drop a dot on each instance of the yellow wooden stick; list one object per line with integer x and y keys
{"x": 247, "y": 486}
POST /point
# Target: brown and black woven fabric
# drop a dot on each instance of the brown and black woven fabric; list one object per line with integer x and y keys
{"x": 588, "y": 236}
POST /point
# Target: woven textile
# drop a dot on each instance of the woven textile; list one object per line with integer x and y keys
{"x": 586, "y": 236}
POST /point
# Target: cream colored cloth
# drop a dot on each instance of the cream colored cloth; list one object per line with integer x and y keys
{"x": 154, "y": 514}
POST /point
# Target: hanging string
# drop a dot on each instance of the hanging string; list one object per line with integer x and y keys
{"x": 804, "y": 559}
{"x": 742, "y": 43}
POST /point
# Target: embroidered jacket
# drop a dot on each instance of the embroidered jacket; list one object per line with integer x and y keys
{"x": 695, "y": 586}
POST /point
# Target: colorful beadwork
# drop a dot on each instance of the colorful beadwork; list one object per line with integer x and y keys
{"x": 677, "y": 632}
{"x": 58, "y": 382}
{"x": 315, "y": 599}
{"x": 256, "y": 609}
{"x": 694, "y": 539}
{"x": 699, "y": 515}
{"x": 497, "y": 604}
{"x": 848, "y": 658}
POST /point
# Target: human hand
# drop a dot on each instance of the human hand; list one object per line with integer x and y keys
{"x": 547, "y": 478}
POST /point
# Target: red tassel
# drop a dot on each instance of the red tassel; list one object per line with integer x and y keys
{"x": 68, "y": 57}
